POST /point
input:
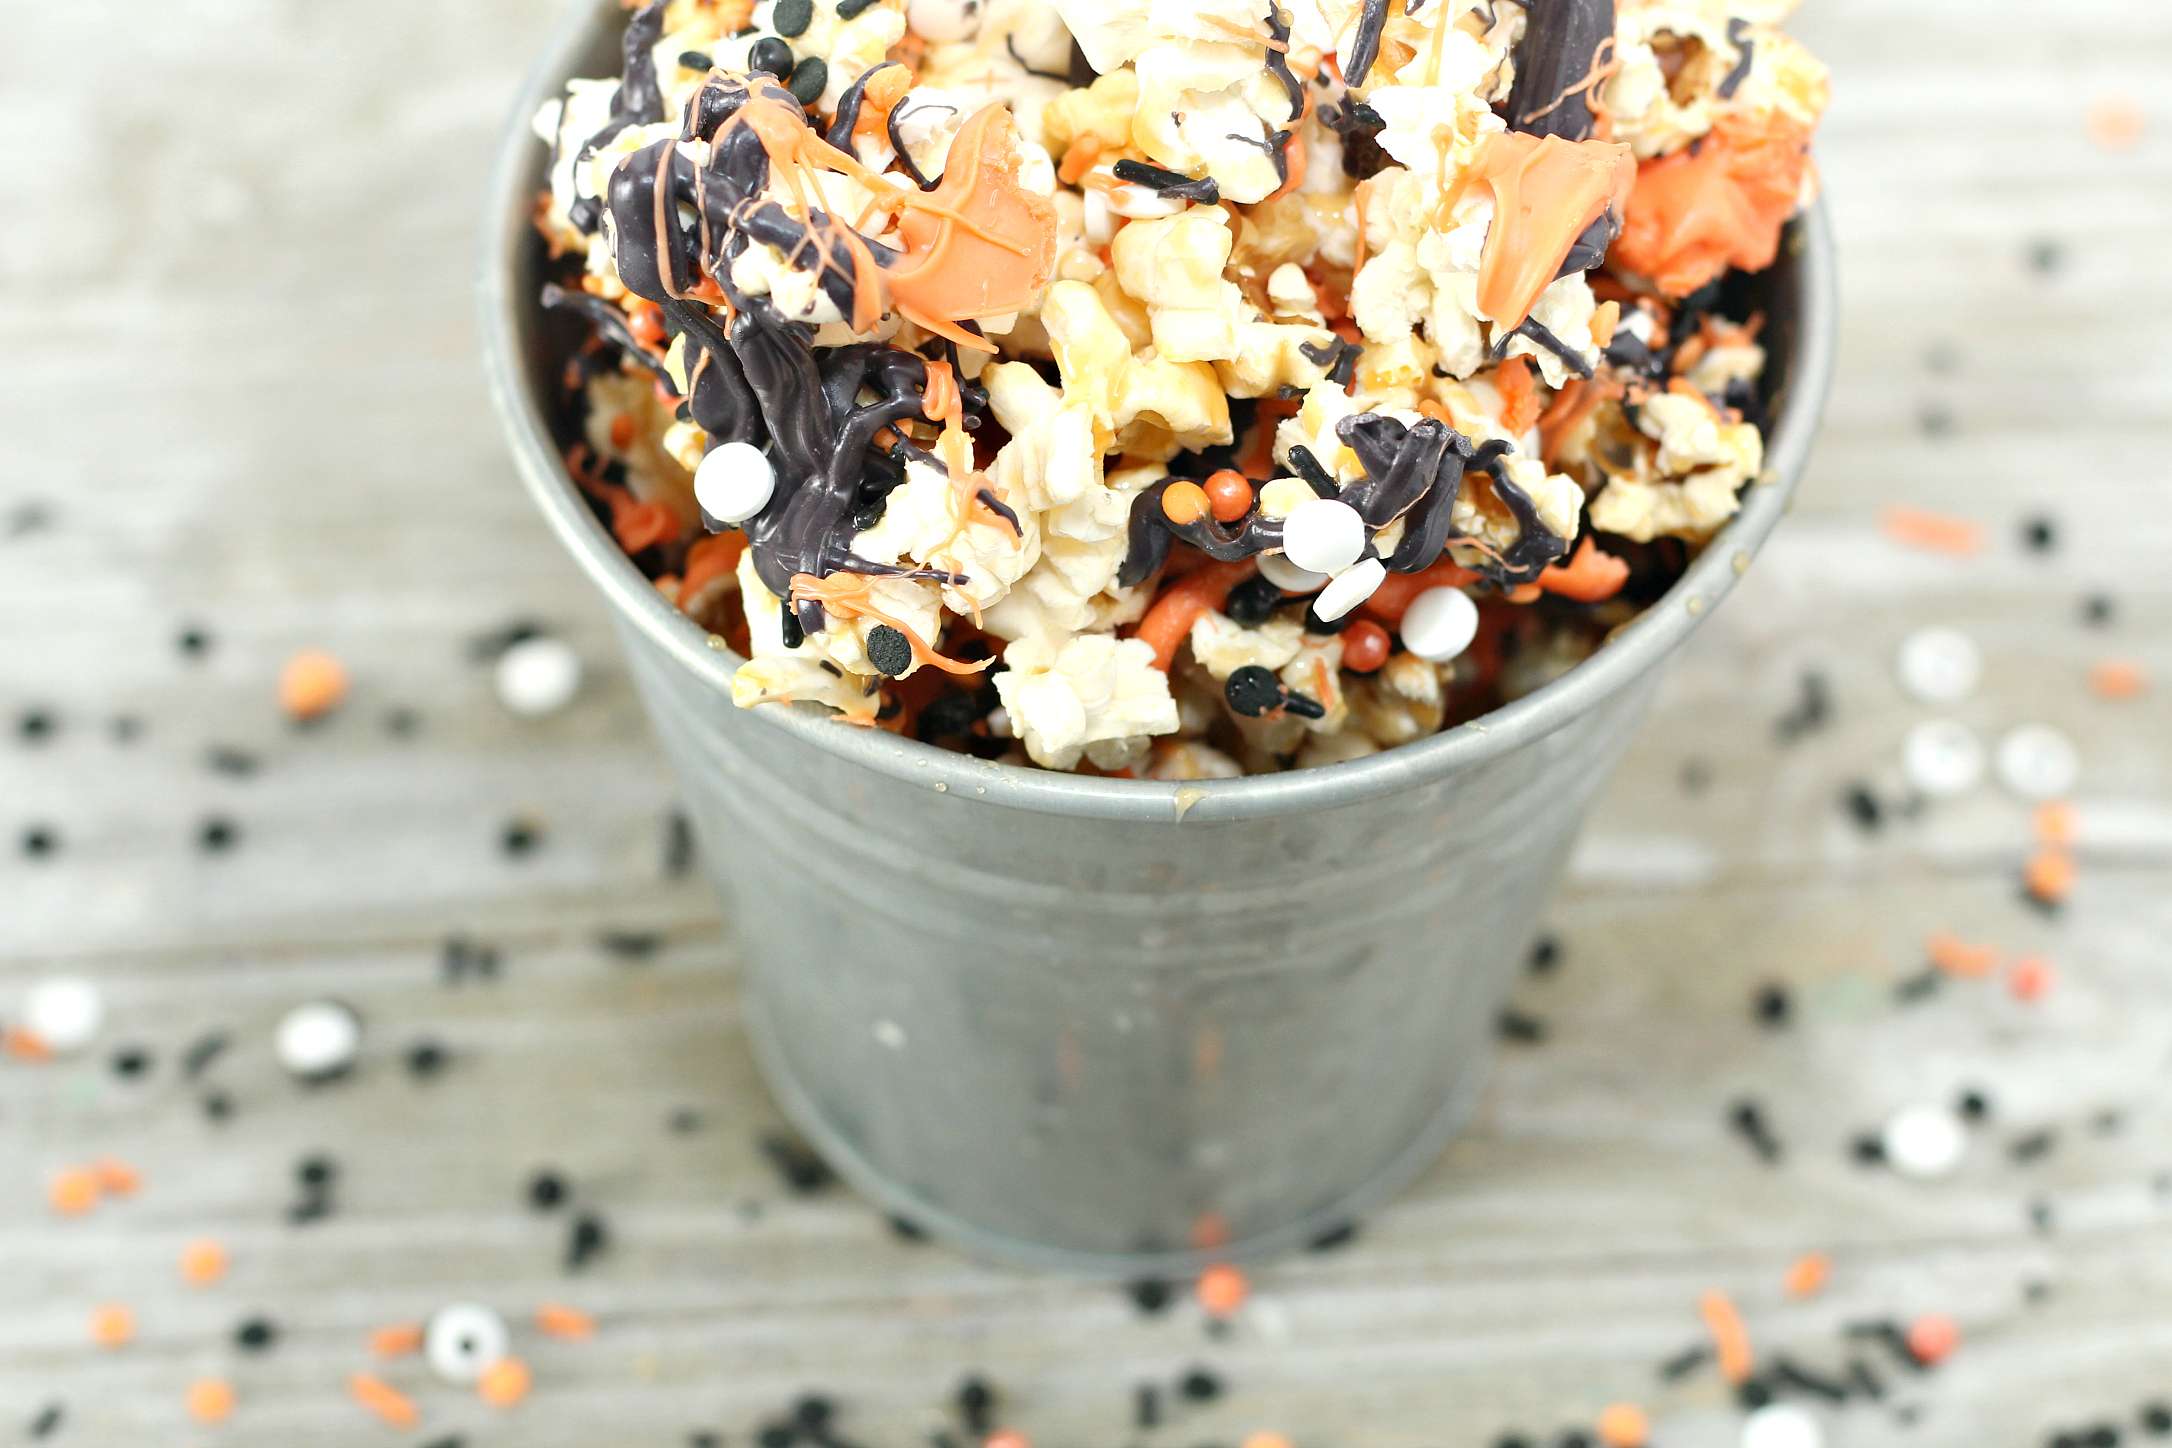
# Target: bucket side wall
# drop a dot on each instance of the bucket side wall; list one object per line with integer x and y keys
{"x": 1108, "y": 1039}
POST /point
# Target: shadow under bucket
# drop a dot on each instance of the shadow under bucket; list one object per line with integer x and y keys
{"x": 1113, "y": 1026}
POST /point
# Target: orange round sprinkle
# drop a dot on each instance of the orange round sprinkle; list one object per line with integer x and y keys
{"x": 1266, "y": 1440}
{"x": 555, "y": 1319}
{"x": 622, "y": 431}
{"x": 312, "y": 684}
{"x": 1184, "y": 502}
{"x": 2117, "y": 679}
{"x": 202, "y": 1263}
{"x": 112, "y": 1325}
{"x": 504, "y": 1383}
{"x": 211, "y": 1400}
{"x": 1006, "y": 1438}
{"x": 2049, "y": 875}
{"x": 2028, "y": 978}
{"x": 73, "y": 1192}
{"x": 1222, "y": 1290}
{"x": 1933, "y": 1337}
{"x": 1807, "y": 1275}
{"x": 2054, "y": 821}
{"x": 1365, "y": 646}
{"x": 646, "y": 322}
{"x": 1229, "y": 493}
{"x": 1623, "y": 1425}
{"x": 2115, "y": 123}
{"x": 116, "y": 1178}
{"x": 391, "y": 1406}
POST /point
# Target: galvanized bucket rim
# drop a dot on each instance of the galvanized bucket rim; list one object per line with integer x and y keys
{"x": 1639, "y": 645}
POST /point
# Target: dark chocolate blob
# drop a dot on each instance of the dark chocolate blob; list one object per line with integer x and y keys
{"x": 1559, "y": 50}
{"x": 1203, "y": 189}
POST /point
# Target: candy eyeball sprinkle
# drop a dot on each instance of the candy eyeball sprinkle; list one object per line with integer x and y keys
{"x": 538, "y": 676}
{"x": 2037, "y": 761}
{"x": 1924, "y": 1141}
{"x": 463, "y": 1341}
{"x": 1351, "y": 587}
{"x": 1939, "y": 665}
{"x": 1288, "y": 577}
{"x": 1324, "y": 535}
{"x": 1440, "y": 624}
{"x": 943, "y": 20}
{"x": 64, "y": 1013}
{"x": 1782, "y": 1425}
{"x": 1942, "y": 758}
{"x": 319, "y": 1040}
{"x": 733, "y": 483}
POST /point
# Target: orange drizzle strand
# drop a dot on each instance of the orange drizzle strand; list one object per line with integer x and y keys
{"x": 848, "y": 596}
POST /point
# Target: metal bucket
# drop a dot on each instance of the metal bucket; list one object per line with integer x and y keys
{"x": 1113, "y": 1026}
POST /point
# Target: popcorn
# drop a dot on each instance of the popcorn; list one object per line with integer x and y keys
{"x": 1690, "y": 483}
{"x": 1093, "y": 695}
{"x": 1222, "y": 646}
{"x": 1034, "y": 363}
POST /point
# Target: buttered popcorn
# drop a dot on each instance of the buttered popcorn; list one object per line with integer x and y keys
{"x": 1170, "y": 388}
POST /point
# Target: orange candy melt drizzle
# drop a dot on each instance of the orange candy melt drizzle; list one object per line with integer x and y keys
{"x": 1546, "y": 190}
{"x": 982, "y": 244}
{"x": 978, "y": 245}
{"x": 1721, "y": 203}
{"x": 848, "y": 596}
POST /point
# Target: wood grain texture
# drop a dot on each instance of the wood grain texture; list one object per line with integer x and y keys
{"x": 234, "y": 292}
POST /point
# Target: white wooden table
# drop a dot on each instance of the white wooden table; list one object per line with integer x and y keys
{"x": 242, "y": 396}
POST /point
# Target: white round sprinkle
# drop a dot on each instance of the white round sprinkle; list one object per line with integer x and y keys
{"x": 999, "y": 722}
{"x": 1440, "y": 624}
{"x": 1351, "y": 587}
{"x": 943, "y": 20}
{"x": 734, "y": 482}
{"x": 1942, "y": 757}
{"x": 538, "y": 676}
{"x": 1288, "y": 577}
{"x": 1325, "y": 535}
{"x": 2036, "y": 761}
{"x": 1924, "y": 1141}
{"x": 1781, "y": 1425}
{"x": 463, "y": 1340}
{"x": 319, "y": 1040}
{"x": 1939, "y": 665}
{"x": 64, "y": 1013}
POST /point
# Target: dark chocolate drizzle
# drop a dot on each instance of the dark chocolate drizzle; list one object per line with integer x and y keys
{"x": 1365, "y": 48}
{"x": 1538, "y": 332}
{"x": 847, "y": 117}
{"x": 1202, "y": 189}
{"x": 1409, "y": 471}
{"x": 762, "y": 381}
{"x": 1010, "y": 45}
{"x": 1278, "y": 61}
{"x": 1738, "y": 35}
{"x": 1561, "y": 39}
{"x": 1151, "y": 531}
{"x": 1537, "y": 547}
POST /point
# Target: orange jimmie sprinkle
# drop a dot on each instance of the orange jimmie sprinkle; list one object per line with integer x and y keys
{"x": 1730, "y": 1339}
{"x": 391, "y": 1406}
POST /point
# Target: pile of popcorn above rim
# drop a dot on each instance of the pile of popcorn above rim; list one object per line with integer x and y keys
{"x": 1170, "y": 388}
